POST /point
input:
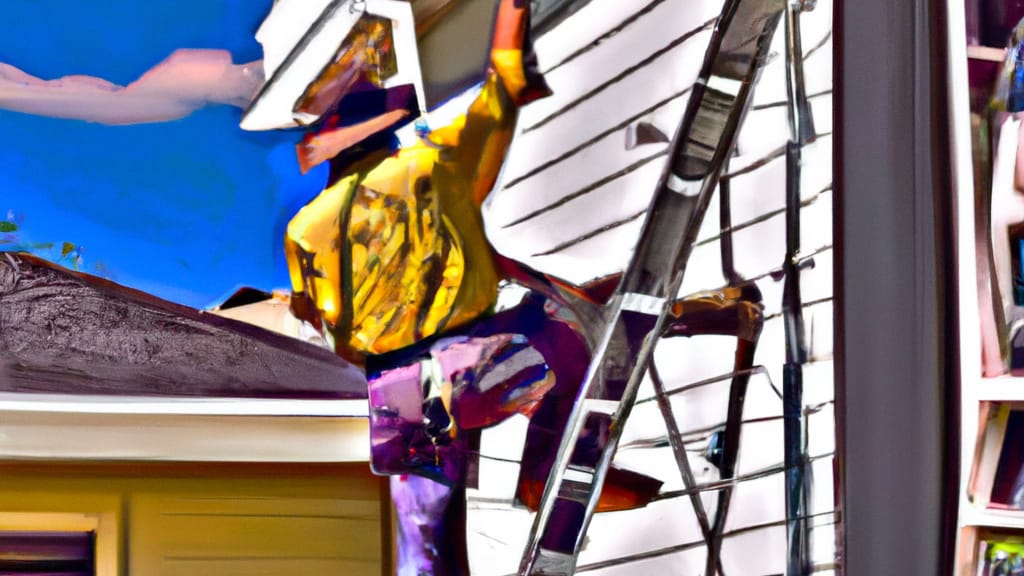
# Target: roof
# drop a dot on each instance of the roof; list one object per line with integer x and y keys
{"x": 73, "y": 333}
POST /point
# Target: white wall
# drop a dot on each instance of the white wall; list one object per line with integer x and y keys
{"x": 633, "y": 75}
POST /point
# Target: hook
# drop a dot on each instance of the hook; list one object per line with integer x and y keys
{"x": 644, "y": 132}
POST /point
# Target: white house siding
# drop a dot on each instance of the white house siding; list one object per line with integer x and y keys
{"x": 611, "y": 64}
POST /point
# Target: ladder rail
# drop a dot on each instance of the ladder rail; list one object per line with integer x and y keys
{"x": 797, "y": 480}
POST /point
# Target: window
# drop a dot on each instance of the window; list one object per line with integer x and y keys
{"x": 47, "y": 553}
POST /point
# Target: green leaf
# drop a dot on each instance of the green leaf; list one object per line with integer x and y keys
{"x": 8, "y": 226}
{"x": 66, "y": 249}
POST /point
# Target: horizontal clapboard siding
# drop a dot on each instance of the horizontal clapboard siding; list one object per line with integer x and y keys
{"x": 592, "y": 172}
{"x": 662, "y": 526}
{"x": 571, "y": 202}
{"x": 234, "y": 534}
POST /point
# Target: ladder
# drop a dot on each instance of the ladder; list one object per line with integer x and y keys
{"x": 636, "y": 315}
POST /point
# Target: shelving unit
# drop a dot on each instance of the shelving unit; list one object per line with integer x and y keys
{"x": 975, "y": 519}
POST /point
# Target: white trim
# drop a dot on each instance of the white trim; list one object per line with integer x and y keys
{"x": 273, "y": 107}
{"x": 179, "y": 437}
{"x": 970, "y": 323}
{"x": 83, "y": 404}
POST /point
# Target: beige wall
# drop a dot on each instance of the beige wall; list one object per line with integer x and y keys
{"x": 215, "y": 519}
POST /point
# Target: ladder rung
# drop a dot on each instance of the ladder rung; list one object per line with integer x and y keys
{"x": 601, "y": 406}
{"x": 579, "y": 471}
{"x": 643, "y": 303}
{"x": 576, "y": 490}
{"x": 551, "y": 563}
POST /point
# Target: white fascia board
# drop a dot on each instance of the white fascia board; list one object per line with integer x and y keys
{"x": 200, "y": 430}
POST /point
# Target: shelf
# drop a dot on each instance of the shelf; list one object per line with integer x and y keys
{"x": 986, "y": 53}
{"x": 1000, "y": 388}
{"x": 973, "y": 516}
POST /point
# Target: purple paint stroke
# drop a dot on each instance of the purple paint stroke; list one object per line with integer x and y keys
{"x": 494, "y": 378}
{"x": 400, "y": 439}
{"x": 426, "y": 541}
{"x": 518, "y": 361}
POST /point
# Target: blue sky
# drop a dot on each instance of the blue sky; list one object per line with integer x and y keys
{"x": 188, "y": 210}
